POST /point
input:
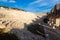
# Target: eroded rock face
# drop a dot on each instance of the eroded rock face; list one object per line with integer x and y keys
{"x": 15, "y": 17}
{"x": 18, "y": 15}
{"x": 54, "y": 16}
{"x": 16, "y": 21}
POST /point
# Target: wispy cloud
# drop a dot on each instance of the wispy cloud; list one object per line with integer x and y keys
{"x": 42, "y": 5}
{"x": 4, "y": 0}
{"x": 55, "y": 1}
{"x": 44, "y": 2}
{"x": 11, "y": 1}
{"x": 35, "y": 2}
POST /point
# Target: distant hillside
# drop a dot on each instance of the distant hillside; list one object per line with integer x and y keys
{"x": 11, "y": 8}
{"x": 41, "y": 14}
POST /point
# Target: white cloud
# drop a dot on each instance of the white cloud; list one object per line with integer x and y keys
{"x": 55, "y": 1}
{"x": 44, "y": 2}
{"x": 11, "y": 1}
{"x": 4, "y": 0}
{"x": 37, "y": 1}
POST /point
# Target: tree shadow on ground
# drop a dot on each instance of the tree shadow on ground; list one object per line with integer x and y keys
{"x": 7, "y": 36}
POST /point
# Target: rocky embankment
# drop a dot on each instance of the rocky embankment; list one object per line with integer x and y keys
{"x": 16, "y": 21}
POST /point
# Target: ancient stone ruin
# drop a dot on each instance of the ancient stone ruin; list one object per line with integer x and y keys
{"x": 53, "y": 17}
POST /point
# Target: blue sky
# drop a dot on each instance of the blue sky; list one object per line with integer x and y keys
{"x": 31, "y": 5}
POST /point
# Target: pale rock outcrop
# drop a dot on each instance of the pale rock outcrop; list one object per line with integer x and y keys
{"x": 17, "y": 15}
{"x": 14, "y": 21}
